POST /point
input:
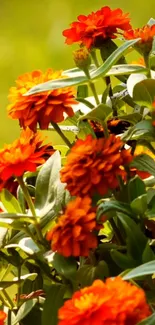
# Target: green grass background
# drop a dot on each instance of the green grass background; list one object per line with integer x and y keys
{"x": 31, "y": 38}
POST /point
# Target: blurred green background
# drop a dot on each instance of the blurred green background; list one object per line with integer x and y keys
{"x": 31, "y": 38}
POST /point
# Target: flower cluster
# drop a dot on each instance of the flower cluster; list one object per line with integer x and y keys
{"x": 114, "y": 302}
{"x": 73, "y": 233}
{"x": 42, "y": 108}
{"x": 24, "y": 154}
{"x": 93, "y": 165}
{"x": 94, "y": 29}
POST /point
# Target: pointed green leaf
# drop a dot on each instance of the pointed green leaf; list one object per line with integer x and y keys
{"x": 142, "y": 270}
{"x": 112, "y": 59}
{"x": 139, "y": 205}
{"x": 136, "y": 187}
{"x": 24, "y": 310}
{"x": 144, "y": 163}
{"x": 50, "y": 191}
{"x": 124, "y": 261}
{"x": 144, "y": 92}
{"x": 10, "y": 202}
{"x": 99, "y": 113}
{"x": 54, "y": 300}
{"x": 116, "y": 206}
{"x": 136, "y": 240}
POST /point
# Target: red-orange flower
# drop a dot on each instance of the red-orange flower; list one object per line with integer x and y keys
{"x": 24, "y": 154}
{"x": 115, "y": 302}
{"x": 41, "y": 108}
{"x": 73, "y": 234}
{"x": 2, "y": 317}
{"x": 98, "y": 26}
{"x": 93, "y": 165}
{"x": 146, "y": 35}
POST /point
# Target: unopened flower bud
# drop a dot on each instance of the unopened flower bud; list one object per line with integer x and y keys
{"x": 82, "y": 58}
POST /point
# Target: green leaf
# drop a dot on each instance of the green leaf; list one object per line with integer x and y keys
{"x": 20, "y": 218}
{"x": 140, "y": 271}
{"x": 136, "y": 187}
{"x": 139, "y": 205}
{"x": 28, "y": 246}
{"x": 142, "y": 130}
{"x": 54, "y": 300}
{"x": 122, "y": 260}
{"x": 24, "y": 310}
{"x": 116, "y": 206}
{"x": 131, "y": 118}
{"x": 76, "y": 72}
{"x": 148, "y": 321}
{"x": 70, "y": 81}
{"x": 148, "y": 254}
{"x": 133, "y": 80}
{"x": 112, "y": 59}
{"x": 66, "y": 266}
{"x": 82, "y": 91}
{"x": 151, "y": 22}
{"x": 10, "y": 202}
{"x": 125, "y": 69}
{"x": 144, "y": 92}
{"x": 136, "y": 240}
{"x": 99, "y": 113}
{"x": 3, "y": 232}
{"x": 50, "y": 191}
{"x": 144, "y": 163}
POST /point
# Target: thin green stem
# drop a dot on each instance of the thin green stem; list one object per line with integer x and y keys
{"x": 31, "y": 207}
{"x": 92, "y": 86}
{"x": 4, "y": 301}
{"x": 93, "y": 89}
{"x": 9, "y": 322}
{"x": 19, "y": 286}
{"x": 95, "y": 59}
{"x": 63, "y": 137}
{"x": 147, "y": 64}
{"x": 106, "y": 132}
{"x": 9, "y": 300}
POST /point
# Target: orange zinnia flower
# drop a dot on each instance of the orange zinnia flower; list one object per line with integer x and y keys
{"x": 73, "y": 234}
{"x": 24, "y": 154}
{"x": 93, "y": 165}
{"x": 41, "y": 108}
{"x": 146, "y": 35}
{"x": 2, "y": 317}
{"x": 115, "y": 302}
{"x": 98, "y": 26}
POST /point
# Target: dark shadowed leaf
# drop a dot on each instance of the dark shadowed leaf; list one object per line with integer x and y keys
{"x": 54, "y": 300}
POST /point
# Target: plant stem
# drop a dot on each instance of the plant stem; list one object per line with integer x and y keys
{"x": 8, "y": 299}
{"x": 92, "y": 86}
{"x": 31, "y": 207}
{"x": 147, "y": 63}
{"x": 58, "y": 130}
{"x": 4, "y": 302}
{"x": 9, "y": 317}
{"x": 95, "y": 59}
{"x": 93, "y": 89}
{"x": 19, "y": 286}
{"x": 105, "y": 129}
